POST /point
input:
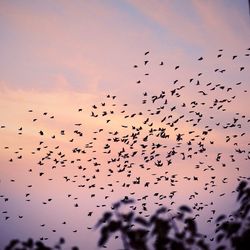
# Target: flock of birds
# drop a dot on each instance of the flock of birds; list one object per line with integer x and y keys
{"x": 139, "y": 151}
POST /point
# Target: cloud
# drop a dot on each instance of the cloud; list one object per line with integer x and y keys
{"x": 223, "y": 25}
{"x": 80, "y": 41}
{"x": 168, "y": 17}
{"x": 197, "y": 22}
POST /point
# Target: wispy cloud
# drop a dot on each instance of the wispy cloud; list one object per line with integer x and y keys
{"x": 223, "y": 24}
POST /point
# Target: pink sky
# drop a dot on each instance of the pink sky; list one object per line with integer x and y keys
{"x": 59, "y": 56}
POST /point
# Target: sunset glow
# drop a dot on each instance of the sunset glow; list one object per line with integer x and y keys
{"x": 105, "y": 99}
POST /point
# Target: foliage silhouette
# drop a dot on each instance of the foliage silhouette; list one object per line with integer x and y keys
{"x": 163, "y": 231}
{"x": 136, "y": 231}
{"x": 232, "y": 232}
{"x": 30, "y": 244}
{"x": 235, "y": 231}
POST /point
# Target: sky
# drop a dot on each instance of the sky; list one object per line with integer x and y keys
{"x": 61, "y": 58}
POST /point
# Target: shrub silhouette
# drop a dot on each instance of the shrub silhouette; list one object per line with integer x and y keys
{"x": 30, "y": 244}
{"x": 137, "y": 232}
{"x": 236, "y": 231}
{"x": 163, "y": 231}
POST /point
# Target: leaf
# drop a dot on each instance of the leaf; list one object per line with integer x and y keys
{"x": 219, "y": 237}
{"x": 141, "y": 221}
{"x": 242, "y": 185}
{"x": 232, "y": 228}
{"x": 161, "y": 227}
{"x": 191, "y": 225}
{"x": 104, "y": 236}
{"x": 190, "y": 241}
{"x": 116, "y": 205}
{"x": 177, "y": 246}
{"x": 137, "y": 234}
{"x": 106, "y": 216}
{"x": 202, "y": 245}
{"x": 29, "y": 243}
{"x": 241, "y": 190}
{"x": 128, "y": 217}
{"x": 161, "y": 210}
{"x": 180, "y": 235}
{"x": 40, "y": 245}
{"x": 221, "y": 248}
{"x": 185, "y": 208}
{"x": 220, "y": 218}
{"x": 114, "y": 226}
{"x": 137, "y": 239}
{"x": 12, "y": 244}
{"x": 62, "y": 241}
{"x": 224, "y": 226}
